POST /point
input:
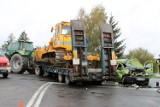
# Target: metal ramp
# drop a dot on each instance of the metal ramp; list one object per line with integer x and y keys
{"x": 79, "y": 50}
{"x": 107, "y": 47}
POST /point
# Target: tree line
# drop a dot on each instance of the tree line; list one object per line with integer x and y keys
{"x": 23, "y": 37}
{"x": 92, "y": 20}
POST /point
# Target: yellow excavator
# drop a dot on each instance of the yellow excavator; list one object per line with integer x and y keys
{"x": 59, "y": 50}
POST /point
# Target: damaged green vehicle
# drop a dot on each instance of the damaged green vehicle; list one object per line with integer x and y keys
{"x": 131, "y": 71}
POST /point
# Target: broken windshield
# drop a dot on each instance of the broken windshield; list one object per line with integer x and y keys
{"x": 134, "y": 63}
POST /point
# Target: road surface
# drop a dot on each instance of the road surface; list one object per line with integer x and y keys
{"x": 36, "y": 91}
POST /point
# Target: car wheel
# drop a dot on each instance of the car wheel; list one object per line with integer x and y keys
{"x": 5, "y": 75}
{"x": 143, "y": 84}
{"x": 39, "y": 71}
{"x": 124, "y": 79}
{"x": 16, "y": 63}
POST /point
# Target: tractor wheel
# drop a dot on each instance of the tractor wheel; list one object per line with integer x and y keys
{"x": 39, "y": 71}
{"x": 16, "y": 63}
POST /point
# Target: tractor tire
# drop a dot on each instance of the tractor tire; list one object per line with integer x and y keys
{"x": 16, "y": 63}
{"x": 39, "y": 71}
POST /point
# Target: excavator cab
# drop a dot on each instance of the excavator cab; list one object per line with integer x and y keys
{"x": 62, "y": 36}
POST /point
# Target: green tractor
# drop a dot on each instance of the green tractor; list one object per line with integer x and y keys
{"x": 21, "y": 53}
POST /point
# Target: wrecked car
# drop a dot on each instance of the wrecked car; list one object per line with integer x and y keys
{"x": 131, "y": 71}
{"x": 4, "y": 64}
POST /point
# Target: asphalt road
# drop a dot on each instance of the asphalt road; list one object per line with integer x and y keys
{"x": 36, "y": 91}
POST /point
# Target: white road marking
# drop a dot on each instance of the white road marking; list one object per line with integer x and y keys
{"x": 39, "y": 95}
{"x": 35, "y": 95}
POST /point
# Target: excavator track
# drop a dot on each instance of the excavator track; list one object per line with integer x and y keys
{"x": 55, "y": 58}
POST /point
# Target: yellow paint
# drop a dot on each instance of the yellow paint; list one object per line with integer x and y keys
{"x": 38, "y": 53}
{"x": 113, "y": 55}
{"x": 68, "y": 57}
{"x": 93, "y": 57}
{"x": 62, "y": 40}
{"x": 75, "y": 54}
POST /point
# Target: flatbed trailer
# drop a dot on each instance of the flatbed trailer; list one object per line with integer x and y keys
{"x": 77, "y": 69}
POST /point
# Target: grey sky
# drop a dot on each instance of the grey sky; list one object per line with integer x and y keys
{"x": 139, "y": 20}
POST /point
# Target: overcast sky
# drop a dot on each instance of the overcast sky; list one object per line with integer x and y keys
{"x": 139, "y": 20}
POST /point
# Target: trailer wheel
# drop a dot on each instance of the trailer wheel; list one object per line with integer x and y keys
{"x": 39, "y": 71}
{"x": 61, "y": 78}
{"x": 49, "y": 74}
{"x": 67, "y": 80}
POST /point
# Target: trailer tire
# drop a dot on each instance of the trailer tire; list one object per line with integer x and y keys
{"x": 39, "y": 71}
{"x": 67, "y": 79}
{"x": 61, "y": 78}
{"x": 49, "y": 74}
